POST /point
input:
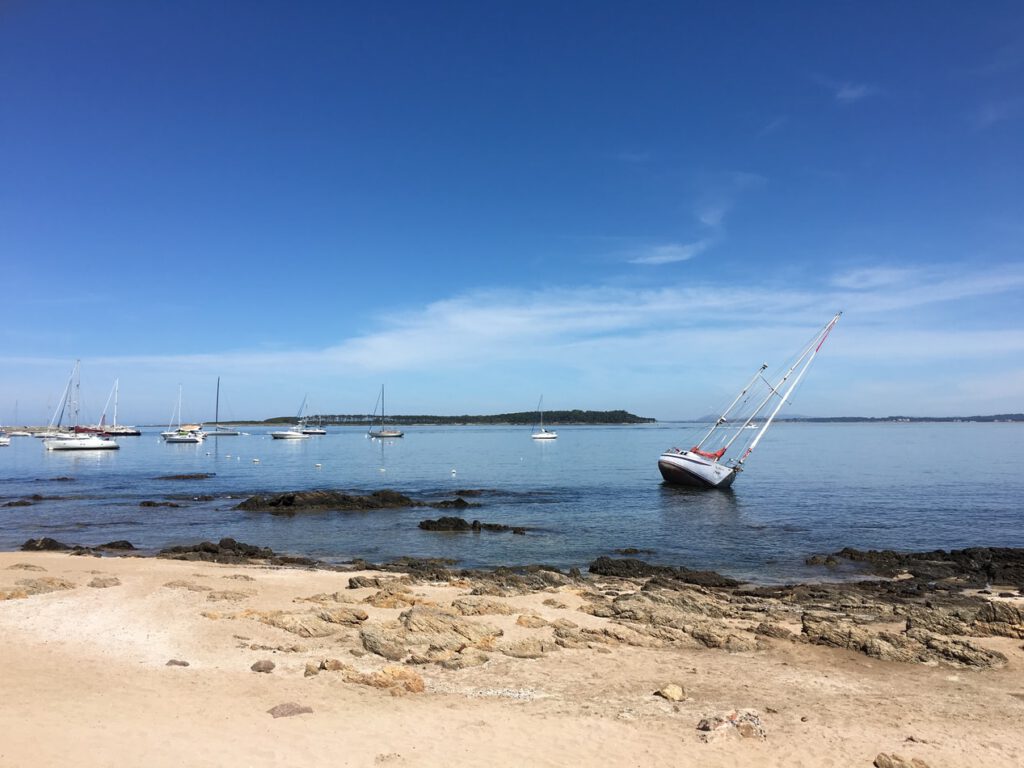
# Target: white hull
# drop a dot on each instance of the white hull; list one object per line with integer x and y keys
{"x": 19, "y": 433}
{"x": 314, "y": 431}
{"x": 544, "y": 435}
{"x": 223, "y": 433}
{"x": 290, "y": 434}
{"x": 5, "y": 441}
{"x": 90, "y": 443}
{"x": 182, "y": 437}
{"x": 688, "y": 468}
{"x": 383, "y": 434}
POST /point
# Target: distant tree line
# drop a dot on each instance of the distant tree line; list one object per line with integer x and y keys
{"x": 521, "y": 418}
{"x": 907, "y": 419}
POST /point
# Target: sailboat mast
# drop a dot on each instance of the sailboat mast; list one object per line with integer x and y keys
{"x": 810, "y": 353}
{"x": 216, "y": 407}
{"x": 78, "y": 390}
{"x": 58, "y": 415}
{"x": 725, "y": 413}
{"x": 116, "y": 381}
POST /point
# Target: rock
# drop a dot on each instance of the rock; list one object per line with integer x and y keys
{"x": 312, "y": 669}
{"x": 897, "y": 761}
{"x": 390, "y": 677}
{"x": 552, "y": 603}
{"x": 467, "y": 657}
{"x": 457, "y": 503}
{"x": 39, "y": 586}
{"x": 191, "y": 586}
{"x": 351, "y": 616}
{"x": 633, "y": 551}
{"x": 45, "y": 544}
{"x": 176, "y": 663}
{"x": 238, "y": 577}
{"x": 19, "y": 503}
{"x": 745, "y": 723}
{"x": 229, "y": 551}
{"x": 529, "y": 648}
{"x": 976, "y": 566}
{"x": 169, "y": 504}
{"x": 531, "y": 622}
{"x": 394, "y": 594}
{"x": 334, "y": 665}
{"x": 767, "y": 629}
{"x": 361, "y": 582}
{"x": 301, "y": 624}
{"x": 289, "y": 709}
{"x": 191, "y": 476}
{"x": 999, "y": 618}
{"x": 263, "y": 665}
{"x": 629, "y": 568}
{"x": 102, "y": 582}
{"x": 445, "y": 629}
{"x": 671, "y": 692}
{"x": 298, "y": 501}
{"x": 25, "y": 567}
{"x": 481, "y": 606}
{"x": 446, "y": 524}
{"x": 228, "y": 595}
{"x": 385, "y": 640}
{"x": 120, "y": 544}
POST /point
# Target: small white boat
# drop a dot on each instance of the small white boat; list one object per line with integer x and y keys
{"x": 541, "y": 433}
{"x": 294, "y": 432}
{"x": 382, "y": 432}
{"x": 57, "y": 440}
{"x": 19, "y": 433}
{"x": 4, "y": 439}
{"x": 702, "y": 468}
{"x": 182, "y": 433}
{"x": 81, "y": 443}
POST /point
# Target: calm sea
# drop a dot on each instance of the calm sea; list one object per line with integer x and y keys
{"x": 810, "y": 488}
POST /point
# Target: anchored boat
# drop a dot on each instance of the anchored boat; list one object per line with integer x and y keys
{"x": 702, "y": 467}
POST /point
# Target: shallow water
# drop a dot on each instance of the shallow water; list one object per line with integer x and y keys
{"x": 810, "y": 488}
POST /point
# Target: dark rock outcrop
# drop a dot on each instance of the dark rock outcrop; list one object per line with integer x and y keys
{"x": 299, "y": 501}
{"x": 976, "y": 566}
{"x": 45, "y": 544}
{"x": 630, "y": 568}
{"x": 228, "y": 550}
{"x": 458, "y": 524}
{"x": 190, "y": 476}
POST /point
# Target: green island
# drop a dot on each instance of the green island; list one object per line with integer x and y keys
{"x": 520, "y": 418}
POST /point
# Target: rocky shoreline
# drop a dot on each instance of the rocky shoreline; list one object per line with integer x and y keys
{"x": 928, "y": 609}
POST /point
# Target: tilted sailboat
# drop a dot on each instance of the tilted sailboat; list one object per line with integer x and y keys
{"x": 705, "y": 468}
{"x": 382, "y": 432}
{"x": 543, "y": 434}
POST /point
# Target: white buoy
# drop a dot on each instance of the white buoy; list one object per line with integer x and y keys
{"x": 453, "y": 470}
{"x": 318, "y": 466}
{"x": 255, "y": 461}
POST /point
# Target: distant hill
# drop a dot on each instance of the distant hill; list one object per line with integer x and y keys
{"x": 522, "y": 418}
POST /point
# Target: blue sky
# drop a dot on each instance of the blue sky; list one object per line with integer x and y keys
{"x": 620, "y": 205}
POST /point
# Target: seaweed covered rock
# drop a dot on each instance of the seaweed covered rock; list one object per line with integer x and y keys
{"x": 297, "y": 501}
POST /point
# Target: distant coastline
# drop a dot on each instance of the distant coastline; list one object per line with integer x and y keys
{"x": 523, "y": 418}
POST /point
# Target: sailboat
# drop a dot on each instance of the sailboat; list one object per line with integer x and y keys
{"x": 218, "y": 430}
{"x": 17, "y": 432}
{"x": 73, "y": 441}
{"x": 110, "y": 430}
{"x": 543, "y": 434}
{"x": 182, "y": 433}
{"x": 382, "y": 432}
{"x": 309, "y": 429}
{"x": 703, "y": 468}
{"x": 294, "y": 432}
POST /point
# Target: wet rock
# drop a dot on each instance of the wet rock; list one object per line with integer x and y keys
{"x": 176, "y": 663}
{"x": 263, "y": 665}
{"x": 45, "y": 544}
{"x": 19, "y": 503}
{"x": 232, "y": 552}
{"x": 829, "y": 561}
{"x": 102, "y": 582}
{"x": 630, "y": 568}
{"x": 289, "y": 709}
{"x": 457, "y": 503}
{"x": 148, "y": 503}
{"x": 191, "y": 476}
{"x": 633, "y": 551}
{"x": 671, "y": 692}
{"x": 446, "y": 524}
{"x": 298, "y": 501}
{"x": 120, "y": 544}
{"x": 976, "y": 566}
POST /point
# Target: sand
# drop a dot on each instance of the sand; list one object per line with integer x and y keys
{"x": 84, "y": 681}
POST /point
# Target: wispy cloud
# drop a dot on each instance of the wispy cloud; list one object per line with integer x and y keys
{"x": 773, "y": 125}
{"x": 846, "y": 91}
{"x": 993, "y": 112}
{"x": 670, "y": 253}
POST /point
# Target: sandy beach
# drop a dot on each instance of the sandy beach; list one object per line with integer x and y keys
{"x": 520, "y": 676}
